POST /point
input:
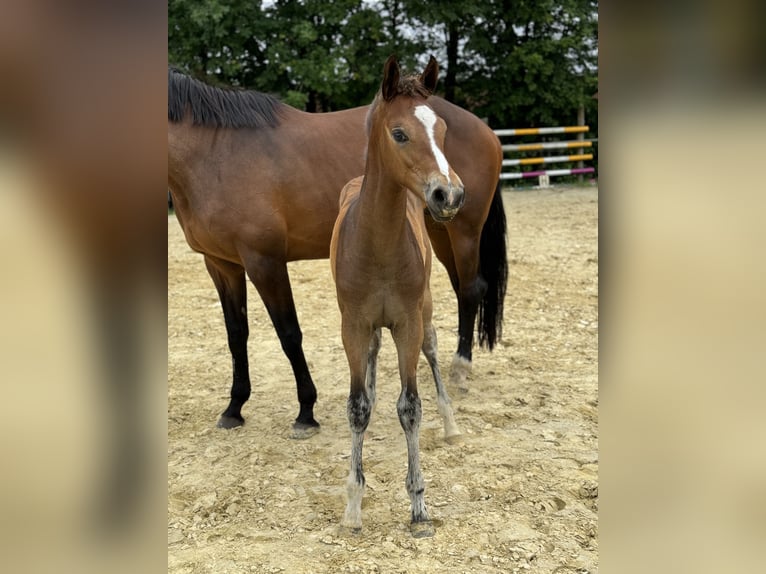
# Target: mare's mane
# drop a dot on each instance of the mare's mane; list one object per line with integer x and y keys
{"x": 218, "y": 107}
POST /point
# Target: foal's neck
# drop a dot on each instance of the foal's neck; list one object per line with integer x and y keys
{"x": 383, "y": 208}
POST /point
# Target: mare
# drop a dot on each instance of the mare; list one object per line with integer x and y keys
{"x": 381, "y": 262}
{"x": 255, "y": 184}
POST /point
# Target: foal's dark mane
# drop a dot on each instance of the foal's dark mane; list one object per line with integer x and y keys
{"x": 412, "y": 86}
{"x": 217, "y": 107}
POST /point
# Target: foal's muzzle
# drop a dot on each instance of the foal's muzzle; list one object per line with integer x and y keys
{"x": 444, "y": 199}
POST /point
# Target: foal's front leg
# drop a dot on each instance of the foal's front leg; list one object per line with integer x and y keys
{"x": 408, "y": 342}
{"x": 359, "y": 408}
{"x": 372, "y": 366}
{"x": 356, "y": 343}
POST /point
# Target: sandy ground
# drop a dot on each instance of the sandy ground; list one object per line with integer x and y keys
{"x": 520, "y": 494}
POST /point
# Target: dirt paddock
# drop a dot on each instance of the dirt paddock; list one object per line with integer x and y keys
{"x": 520, "y": 494}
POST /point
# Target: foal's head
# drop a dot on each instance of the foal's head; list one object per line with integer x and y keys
{"x": 410, "y": 139}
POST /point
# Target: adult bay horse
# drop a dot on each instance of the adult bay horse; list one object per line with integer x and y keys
{"x": 381, "y": 262}
{"x": 255, "y": 184}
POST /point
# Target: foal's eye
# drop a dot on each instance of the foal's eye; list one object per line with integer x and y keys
{"x": 399, "y": 135}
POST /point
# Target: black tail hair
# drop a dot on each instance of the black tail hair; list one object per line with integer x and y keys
{"x": 493, "y": 264}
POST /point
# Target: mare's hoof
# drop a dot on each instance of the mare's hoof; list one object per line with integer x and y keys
{"x": 458, "y": 376}
{"x": 422, "y": 529}
{"x": 302, "y": 431}
{"x": 227, "y": 422}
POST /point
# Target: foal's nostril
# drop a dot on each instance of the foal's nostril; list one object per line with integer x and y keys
{"x": 439, "y": 196}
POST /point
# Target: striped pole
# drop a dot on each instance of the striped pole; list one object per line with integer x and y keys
{"x": 541, "y": 131}
{"x": 547, "y": 145}
{"x": 549, "y": 172}
{"x": 552, "y": 159}
{"x": 580, "y": 137}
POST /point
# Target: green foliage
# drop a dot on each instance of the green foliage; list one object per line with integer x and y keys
{"x": 517, "y": 62}
{"x": 211, "y": 37}
{"x": 538, "y": 62}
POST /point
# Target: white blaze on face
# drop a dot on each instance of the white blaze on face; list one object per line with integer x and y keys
{"x": 427, "y": 117}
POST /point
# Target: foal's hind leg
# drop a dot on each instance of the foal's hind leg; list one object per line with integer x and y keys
{"x": 269, "y": 275}
{"x": 229, "y": 281}
{"x": 443, "y": 402}
{"x": 470, "y": 292}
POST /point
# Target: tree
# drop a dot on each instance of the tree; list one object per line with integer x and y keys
{"x": 218, "y": 39}
{"x": 445, "y": 26}
{"x": 539, "y": 61}
{"x": 317, "y": 55}
{"x": 322, "y": 51}
{"x": 517, "y": 62}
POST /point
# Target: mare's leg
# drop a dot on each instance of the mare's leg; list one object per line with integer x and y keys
{"x": 229, "y": 280}
{"x": 470, "y": 294}
{"x": 358, "y": 345}
{"x": 443, "y": 402}
{"x": 481, "y": 259}
{"x": 408, "y": 338}
{"x": 460, "y": 257}
{"x": 269, "y": 275}
{"x": 440, "y": 242}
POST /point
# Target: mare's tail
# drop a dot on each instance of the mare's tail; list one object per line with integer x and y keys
{"x": 493, "y": 265}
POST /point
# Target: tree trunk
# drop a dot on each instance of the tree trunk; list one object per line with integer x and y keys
{"x": 311, "y": 103}
{"x": 453, "y": 35}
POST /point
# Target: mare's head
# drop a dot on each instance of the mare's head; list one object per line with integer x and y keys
{"x": 409, "y": 138}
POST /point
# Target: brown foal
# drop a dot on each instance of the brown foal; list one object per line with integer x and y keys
{"x": 381, "y": 261}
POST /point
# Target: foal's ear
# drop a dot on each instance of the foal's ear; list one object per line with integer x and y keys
{"x": 430, "y": 75}
{"x": 390, "y": 83}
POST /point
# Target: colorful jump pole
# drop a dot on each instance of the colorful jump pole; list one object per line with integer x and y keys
{"x": 549, "y": 173}
{"x": 547, "y": 145}
{"x": 544, "y": 175}
{"x": 552, "y": 159}
{"x": 541, "y": 131}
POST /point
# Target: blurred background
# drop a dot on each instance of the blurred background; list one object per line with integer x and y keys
{"x": 83, "y": 307}
{"x": 681, "y": 433}
{"x": 682, "y": 114}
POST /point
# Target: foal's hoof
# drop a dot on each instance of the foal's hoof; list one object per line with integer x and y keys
{"x": 302, "y": 431}
{"x": 422, "y": 529}
{"x": 454, "y": 439}
{"x": 227, "y": 422}
{"x": 351, "y": 530}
